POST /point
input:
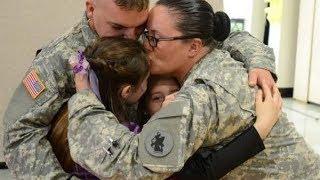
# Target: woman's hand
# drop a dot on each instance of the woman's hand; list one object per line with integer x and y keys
{"x": 268, "y": 110}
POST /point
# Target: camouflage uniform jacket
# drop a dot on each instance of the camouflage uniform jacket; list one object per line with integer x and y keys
{"x": 27, "y": 121}
{"x": 214, "y": 105}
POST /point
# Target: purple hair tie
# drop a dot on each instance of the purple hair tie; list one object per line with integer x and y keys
{"x": 79, "y": 66}
{"x": 133, "y": 127}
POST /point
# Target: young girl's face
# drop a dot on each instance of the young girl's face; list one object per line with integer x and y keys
{"x": 157, "y": 93}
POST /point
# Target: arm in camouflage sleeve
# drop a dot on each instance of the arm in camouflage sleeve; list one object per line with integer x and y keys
{"x": 254, "y": 54}
{"x": 108, "y": 149}
{"x": 99, "y": 143}
{"x": 27, "y": 151}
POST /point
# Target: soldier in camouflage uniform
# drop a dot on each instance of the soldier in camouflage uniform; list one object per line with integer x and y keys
{"x": 49, "y": 83}
{"x": 214, "y": 105}
{"x": 27, "y": 120}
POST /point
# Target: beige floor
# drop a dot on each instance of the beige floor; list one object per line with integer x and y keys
{"x": 306, "y": 117}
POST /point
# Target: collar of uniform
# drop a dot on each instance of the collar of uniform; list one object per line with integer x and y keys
{"x": 195, "y": 66}
{"x": 88, "y": 34}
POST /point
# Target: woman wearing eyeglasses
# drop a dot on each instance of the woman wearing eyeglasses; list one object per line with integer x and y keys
{"x": 215, "y": 99}
{"x": 215, "y": 104}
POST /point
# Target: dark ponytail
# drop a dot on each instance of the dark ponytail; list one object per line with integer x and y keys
{"x": 221, "y": 26}
{"x": 196, "y": 18}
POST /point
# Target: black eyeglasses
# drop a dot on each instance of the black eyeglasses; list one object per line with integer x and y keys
{"x": 153, "y": 41}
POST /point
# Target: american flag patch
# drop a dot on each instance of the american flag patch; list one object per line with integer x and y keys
{"x": 33, "y": 84}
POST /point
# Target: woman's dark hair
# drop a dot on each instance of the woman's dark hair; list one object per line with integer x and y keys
{"x": 117, "y": 62}
{"x": 197, "y": 18}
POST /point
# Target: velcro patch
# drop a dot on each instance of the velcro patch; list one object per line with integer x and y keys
{"x": 162, "y": 140}
{"x": 159, "y": 143}
{"x": 33, "y": 84}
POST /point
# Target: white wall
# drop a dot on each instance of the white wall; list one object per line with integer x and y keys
{"x": 25, "y": 27}
{"x": 283, "y": 40}
{"x": 258, "y": 19}
{"x": 306, "y": 85}
{"x": 303, "y": 54}
{"x": 288, "y": 43}
{"x": 314, "y": 87}
{"x": 218, "y": 5}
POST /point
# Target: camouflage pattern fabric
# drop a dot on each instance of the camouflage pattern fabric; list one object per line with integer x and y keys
{"x": 214, "y": 105}
{"x": 245, "y": 48}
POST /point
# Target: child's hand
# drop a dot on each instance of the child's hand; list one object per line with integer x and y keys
{"x": 80, "y": 70}
{"x": 168, "y": 99}
{"x": 268, "y": 110}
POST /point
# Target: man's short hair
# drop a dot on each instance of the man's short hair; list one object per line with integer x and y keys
{"x": 138, "y": 5}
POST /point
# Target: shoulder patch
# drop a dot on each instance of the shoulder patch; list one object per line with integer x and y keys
{"x": 33, "y": 84}
{"x": 162, "y": 140}
{"x": 159, "y": 143}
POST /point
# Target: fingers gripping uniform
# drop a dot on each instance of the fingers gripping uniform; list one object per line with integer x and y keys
{"x": 28, "y": 116}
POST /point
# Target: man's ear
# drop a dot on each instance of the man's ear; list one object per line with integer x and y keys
{"x": 125, "y": 92}
{"x": 195, "y": 47}
{"x": 90, "y": 8}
